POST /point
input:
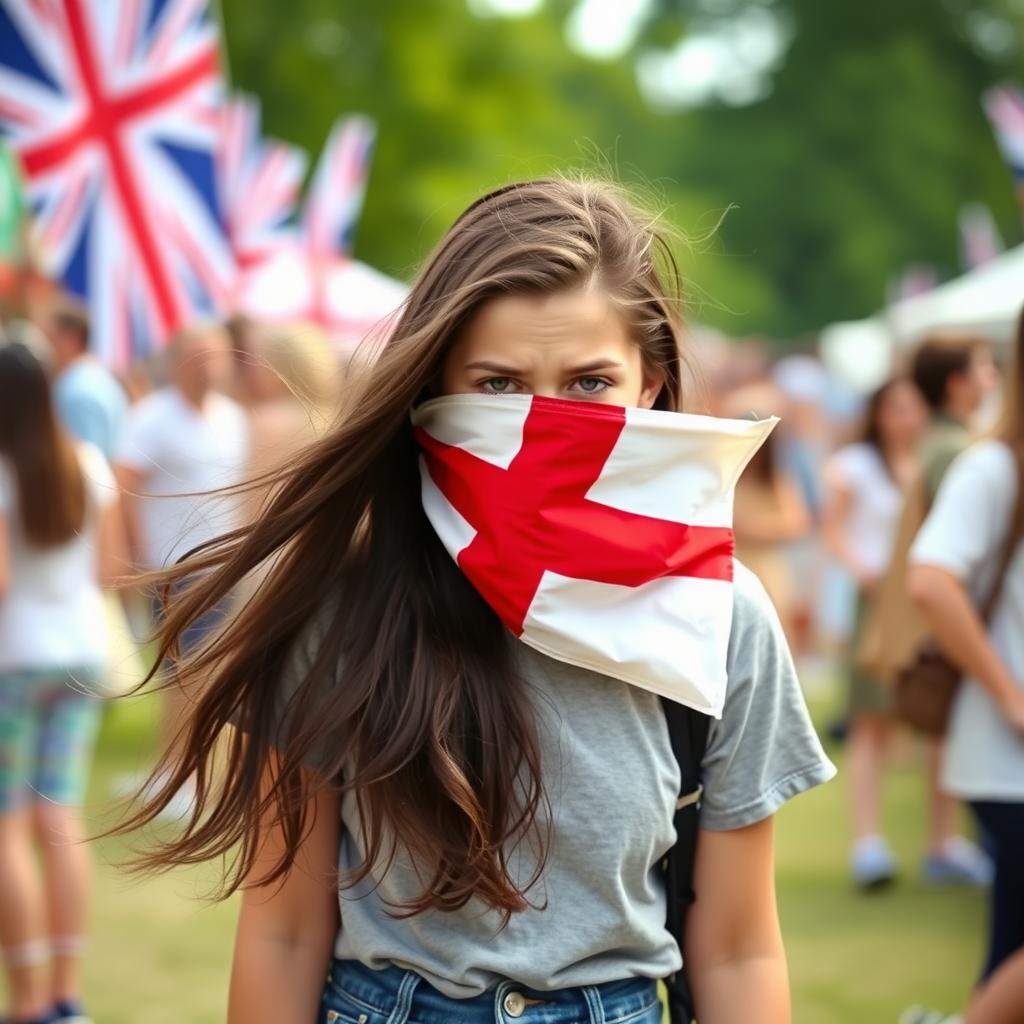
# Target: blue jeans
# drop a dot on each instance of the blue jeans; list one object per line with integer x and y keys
{"x": 354, "y": 994}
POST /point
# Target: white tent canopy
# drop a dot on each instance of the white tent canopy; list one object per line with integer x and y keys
{"x": 988, "y": 300}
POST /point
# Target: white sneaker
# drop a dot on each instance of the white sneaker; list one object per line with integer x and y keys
{"x": 959, "y": 862}
{"x": 872, "y": 864}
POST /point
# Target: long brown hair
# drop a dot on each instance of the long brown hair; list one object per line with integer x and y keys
{"x": 47, "y": 474}
{"x": 412, "y": 702}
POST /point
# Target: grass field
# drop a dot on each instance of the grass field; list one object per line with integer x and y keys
{"x": 160, "y": 955}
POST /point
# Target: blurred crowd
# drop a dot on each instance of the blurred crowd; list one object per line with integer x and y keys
{"x": 873, "y": 521}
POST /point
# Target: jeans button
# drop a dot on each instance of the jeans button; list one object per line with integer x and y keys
{"x": 515, "y": 1004}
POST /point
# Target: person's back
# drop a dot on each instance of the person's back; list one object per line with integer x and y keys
{"x": 51, "y": 614}
{"x": 89, "y": 400}
{"x": 58, "y": 513}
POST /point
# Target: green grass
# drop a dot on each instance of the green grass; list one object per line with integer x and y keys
{"x": 159, "y": 954}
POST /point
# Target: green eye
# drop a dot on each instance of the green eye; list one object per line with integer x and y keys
{"x": 591, "y": 385}
{"x": 498, "y": 385}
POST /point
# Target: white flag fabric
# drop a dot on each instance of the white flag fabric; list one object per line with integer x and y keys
{"x": 600, "y": 535}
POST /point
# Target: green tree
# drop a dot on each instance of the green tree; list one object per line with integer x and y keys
{"x": 851, "y": 166}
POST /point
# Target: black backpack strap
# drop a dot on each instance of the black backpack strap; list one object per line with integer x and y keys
{"x": 688, "y": 731}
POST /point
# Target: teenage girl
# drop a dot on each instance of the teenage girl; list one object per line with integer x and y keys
{"x": 441, "y": 822}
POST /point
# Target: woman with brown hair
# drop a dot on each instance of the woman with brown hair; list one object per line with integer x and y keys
{"x": 971, "y": 538}
{"x": 58, "y": 541}
{"x": 473, "y": 829}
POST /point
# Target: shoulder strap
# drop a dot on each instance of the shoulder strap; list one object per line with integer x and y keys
{"x": 688, "y": 733}
{"x": 1014, "y": 535}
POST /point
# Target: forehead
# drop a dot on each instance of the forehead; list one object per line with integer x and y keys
{"x": 581, "y": 319}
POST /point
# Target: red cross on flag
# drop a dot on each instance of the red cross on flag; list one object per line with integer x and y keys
{"x": 601, "y": 536}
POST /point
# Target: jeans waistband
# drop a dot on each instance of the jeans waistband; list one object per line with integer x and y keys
{"x": 394, "y": 996}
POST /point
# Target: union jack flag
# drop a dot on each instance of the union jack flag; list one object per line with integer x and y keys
{"x": 315, "y": 278}
{"x": 336, "y": 193}
{"x": 114, "y": 109}
{"x": 1004, "y": 105}
{"x": 261, "y": 180}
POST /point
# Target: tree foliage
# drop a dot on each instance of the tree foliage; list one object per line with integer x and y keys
{"x": 852, "y": 166}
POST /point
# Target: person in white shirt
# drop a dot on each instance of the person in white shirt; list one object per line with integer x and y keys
{"x": 866, "y": 484}
{"x": 954, "y": 562}
{"x": 59, "y": 527}
{"x": 179, "y": 444}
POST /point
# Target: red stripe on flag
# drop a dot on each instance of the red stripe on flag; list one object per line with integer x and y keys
{"x": 535, "y": 516}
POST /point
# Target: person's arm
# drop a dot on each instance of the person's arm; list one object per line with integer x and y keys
{"x": 286, "y": 931}
{"x": 735, "y": 960}
{"x": 958, "y": 629}
{"x": 132, "y": 483}
{"x": 838, "y": 505}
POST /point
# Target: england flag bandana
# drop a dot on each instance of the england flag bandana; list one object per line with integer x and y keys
{"x": 601, "y": 536}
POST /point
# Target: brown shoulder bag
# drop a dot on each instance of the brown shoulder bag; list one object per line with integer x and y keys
{"x": 926, "y": 688}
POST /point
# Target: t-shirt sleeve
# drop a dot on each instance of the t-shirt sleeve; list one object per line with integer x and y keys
{"x": 971, "y": 513}
{"x": 141, "y": 442}
{"x": 764, "y": 750}
{"x": 99, "y": 480}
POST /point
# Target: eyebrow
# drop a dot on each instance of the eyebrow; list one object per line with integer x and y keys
{"x": 511, "y": 371}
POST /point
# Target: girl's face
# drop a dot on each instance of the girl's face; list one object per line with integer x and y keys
{"x": 569, "y": 344}
{"x": 902, "y": 415}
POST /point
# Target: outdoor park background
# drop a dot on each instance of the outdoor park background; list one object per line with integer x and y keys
{"x": 846, "y": 133}
{"x": 812, "y": 151}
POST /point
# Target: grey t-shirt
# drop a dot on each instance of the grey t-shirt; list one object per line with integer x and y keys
{"x": 598, "y": 911}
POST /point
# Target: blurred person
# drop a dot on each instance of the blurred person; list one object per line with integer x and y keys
{"x": 806, "y": 438}
{"x": 973, "y": 528}
{"x": 439, "y": 830}
{"x": 293, "y": 381}
{"x": 89, "y": 400}
{"x": 954, "y": 374}
{"x": 242, "y": 332}
{"x": 180, "y": 443}
{"x": 59, "y": 526}
{"x": 769, "y": 511}
{"x": 866, "y": 482}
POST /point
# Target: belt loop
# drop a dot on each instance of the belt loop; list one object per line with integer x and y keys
{"x": 594, "y": 1004}
{"x": 503, "y": 989}
{"x": 403, "y": 1001}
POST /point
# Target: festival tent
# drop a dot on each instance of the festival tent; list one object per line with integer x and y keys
{"x": 350, "y": 299}
{"x": 988, "y": 299}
